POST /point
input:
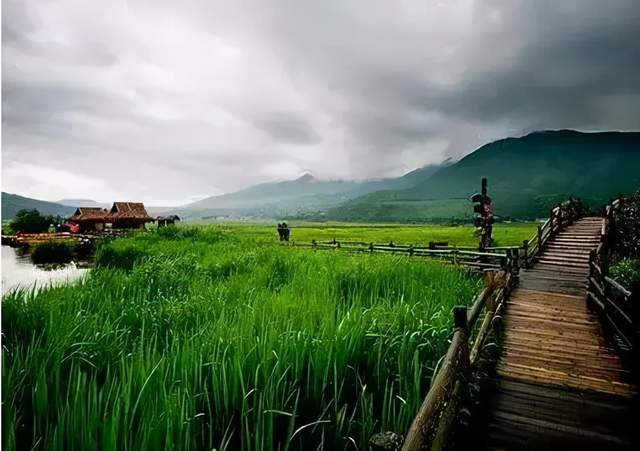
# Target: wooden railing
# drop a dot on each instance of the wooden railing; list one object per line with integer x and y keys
{"x": 617, "y": 306}
{"x": 497, "y": 257}
{"x": 559, "y": 217}
{"x": 436, "y": 417}
{"x": 32, "y": 239}
{"x": 493, "y": 259}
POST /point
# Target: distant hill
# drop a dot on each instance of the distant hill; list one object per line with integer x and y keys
{"x": 304, "y": 194}
{"x": 83, "y": 203}
{"x": 12, "y": 203}
{"x": 527, "y": 176}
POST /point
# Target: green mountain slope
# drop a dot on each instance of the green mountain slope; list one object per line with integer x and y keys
{"x": 297, "y": 196}
{"x": 12, "y": 203}
{"x": 526, "y": 176}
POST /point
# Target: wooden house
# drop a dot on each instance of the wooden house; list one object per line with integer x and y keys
{"x": 128, "y": 215}
{"x": 88, "y": 220}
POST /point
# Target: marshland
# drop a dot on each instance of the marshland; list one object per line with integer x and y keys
{"x": 218, "y": 337}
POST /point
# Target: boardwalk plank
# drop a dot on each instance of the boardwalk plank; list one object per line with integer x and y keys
{"x": 560, "y": 384}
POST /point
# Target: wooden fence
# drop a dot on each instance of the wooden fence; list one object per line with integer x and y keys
{"x": 33, "y": 239}
{"x": 509, "y": 258}
{"x": 437, "y": 415}
{"x": 492, "y": 259}
{"x": 617, "y": 306}
{"x": 438, "y": 412}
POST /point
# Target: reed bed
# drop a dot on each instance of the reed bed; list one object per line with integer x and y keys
{"x": 194, "y": 338}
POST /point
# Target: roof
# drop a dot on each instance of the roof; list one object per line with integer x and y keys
{"x": 89, "y": 214}
{"x": 128, "y": 210}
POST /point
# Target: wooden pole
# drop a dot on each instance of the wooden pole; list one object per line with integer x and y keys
{"x": 634, "y": 299}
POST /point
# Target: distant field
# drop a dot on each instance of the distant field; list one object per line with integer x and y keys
{"x": 504, "y": 234}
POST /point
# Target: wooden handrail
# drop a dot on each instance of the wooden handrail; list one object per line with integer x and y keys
{"x": 434, "y": 420}
{"x": 496, "y": 259}
{"x": 617, "y": 306}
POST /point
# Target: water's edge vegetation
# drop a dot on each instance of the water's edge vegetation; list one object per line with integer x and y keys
{"x": 196, "y": 338}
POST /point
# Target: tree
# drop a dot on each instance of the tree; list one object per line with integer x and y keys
{"x": 30, "y": 221}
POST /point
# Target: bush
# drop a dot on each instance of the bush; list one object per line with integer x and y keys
{"x": 30, "y": 221}
{"x": 626, "y": 271}
{"x": 52, "y": 252}
{"x": 627, "y": 228}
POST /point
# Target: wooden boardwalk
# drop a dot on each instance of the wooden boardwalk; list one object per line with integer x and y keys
{"x": 559, "y": 384}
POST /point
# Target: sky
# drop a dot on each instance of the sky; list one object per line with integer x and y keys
{"x": 167, "y": 101}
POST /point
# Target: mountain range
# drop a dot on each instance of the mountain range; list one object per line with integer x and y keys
{"x": 527, "y": 176}
{"x": 297, "y": 197}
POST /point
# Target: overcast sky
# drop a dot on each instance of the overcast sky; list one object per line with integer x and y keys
{"x": 169, "y": 101}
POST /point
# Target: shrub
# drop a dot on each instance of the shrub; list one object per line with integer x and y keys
{"x": 627, "y": 228}
{"x": 52, "y": 252}
{"x": 30, "y": 221}
{"x": 626, "y": 271}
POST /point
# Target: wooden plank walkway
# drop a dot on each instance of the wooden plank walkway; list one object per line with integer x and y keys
{"x": 559, "y": 384}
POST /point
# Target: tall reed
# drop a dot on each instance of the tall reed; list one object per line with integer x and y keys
{"x": 197, "y": 339}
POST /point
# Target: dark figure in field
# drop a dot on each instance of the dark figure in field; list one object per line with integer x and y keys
{"x": 280, "y": 232}
{"x": 285, "y": 231}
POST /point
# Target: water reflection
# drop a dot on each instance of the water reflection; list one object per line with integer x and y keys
{"x": 18, "y": 271}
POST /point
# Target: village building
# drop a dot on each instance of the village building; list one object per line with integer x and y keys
{"x": 88, "y": 220}
{"x": 128, "y": 215}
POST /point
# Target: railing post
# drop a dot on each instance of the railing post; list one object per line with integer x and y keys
{"x": 590, "y": 287}
{"x": 539, "y": 237}
{"x": 634, "y": 299}
{"x": 525, "y": 246}
{"x": 460, "y": 317}
{"x": 460, "y": 321}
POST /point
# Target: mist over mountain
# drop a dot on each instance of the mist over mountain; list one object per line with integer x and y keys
{"x": 527, "y": 176}
{"x": 298, "y": 196}
{"x": 83, "y": 203}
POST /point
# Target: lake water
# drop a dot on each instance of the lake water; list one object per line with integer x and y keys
{"x": 18, "y": 271}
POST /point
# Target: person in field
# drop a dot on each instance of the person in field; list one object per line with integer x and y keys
{"x": 280, "y": 233}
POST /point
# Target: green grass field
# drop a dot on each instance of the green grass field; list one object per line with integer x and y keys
{"x": 505, "y": 234}
{"x": 218, "y": 337}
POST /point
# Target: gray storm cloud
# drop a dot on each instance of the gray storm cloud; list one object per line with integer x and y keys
{"x": 164, "y": 101}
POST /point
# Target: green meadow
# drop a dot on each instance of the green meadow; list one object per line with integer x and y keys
{"x": 218, "y": 337}
{"x": 504, "y": 234}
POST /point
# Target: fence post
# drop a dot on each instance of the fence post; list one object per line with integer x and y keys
{"x": 592, "y": 258}
{"x": 634, "y": 299}
{"x": 525, "y": 246}
{"x": 460, "y": 317}
{"x": 460, "y": 321}
{"x": 539, "y": 238}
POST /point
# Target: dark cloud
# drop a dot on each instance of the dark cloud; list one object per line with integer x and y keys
{"x": 288, "y": 128}
{"x": 162, "y": 101}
